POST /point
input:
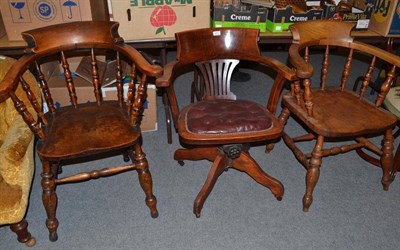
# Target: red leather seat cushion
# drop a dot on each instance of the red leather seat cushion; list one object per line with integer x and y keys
{"x": 227, "y": 116}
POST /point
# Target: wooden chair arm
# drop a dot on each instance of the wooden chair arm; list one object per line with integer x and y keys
{"x": 168, "y": 76}
{"x": 303, "y": 68}
{"x": 140, "y": 61}
{"x": 279, "y": 67}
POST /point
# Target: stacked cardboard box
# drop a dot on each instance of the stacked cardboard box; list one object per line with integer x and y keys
{"x": 359, "y": 11}
{"x": 22, "y": 15}
{"x": 249, "y": 16}
{"x": 279, "y": 19}
{"x": 149, "y": 19}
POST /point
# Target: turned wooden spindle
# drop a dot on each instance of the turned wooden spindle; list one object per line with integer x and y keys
{"x": 69, "y": 80}
{"x": 95, "y": 77}
{"x": 45, "y": 89}
{"x": 346, "y": 70}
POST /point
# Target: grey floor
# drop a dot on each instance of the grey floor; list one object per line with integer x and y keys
{"x": 350, "y": 209}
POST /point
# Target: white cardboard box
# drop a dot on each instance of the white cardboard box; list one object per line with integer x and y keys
{"x": 23, "y": 15}
{"x": 151, "y": 19}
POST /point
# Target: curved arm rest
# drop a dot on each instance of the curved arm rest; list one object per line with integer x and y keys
{"x": 279, "y": 67}
{"x": 169, "y": 75}
{"x": 140, "y": 61}
{"x": 303, "y": 68}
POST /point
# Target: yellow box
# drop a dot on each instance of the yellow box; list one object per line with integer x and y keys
{"x": 386, "y": 18}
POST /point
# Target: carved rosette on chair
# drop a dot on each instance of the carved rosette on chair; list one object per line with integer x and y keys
{"x": 83, "y": 131}
{"x": 220, "y": 127}
{"x": 333, "y": 112}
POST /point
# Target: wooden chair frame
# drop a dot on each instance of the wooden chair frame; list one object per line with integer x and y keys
{"x": 322, "y": 110}
{"x": 83, "y": 131}
{"x": 216, "y": 52}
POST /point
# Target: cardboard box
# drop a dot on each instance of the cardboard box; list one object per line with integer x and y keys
{"x": 22, "y": 15}
{"x": 359, "y": 13}
{"x": 152, "y": 19}
{"x": 84, "y": 92}
{"x": 279, "y": 20}
{"x": 386, "y": 18}
{"x": 227, "y": 16}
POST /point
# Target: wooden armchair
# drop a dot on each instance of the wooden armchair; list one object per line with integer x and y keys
{"x": 333, "y": 112}
{"x": 219, "y": 127}
{"x": 83, "y": 131}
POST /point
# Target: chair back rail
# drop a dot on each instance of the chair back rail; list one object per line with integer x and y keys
{"x": 223, "y": 44}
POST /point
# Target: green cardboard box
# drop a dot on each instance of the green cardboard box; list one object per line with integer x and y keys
{"x": 279, "y": 20}
{"x": 250, "y": 17}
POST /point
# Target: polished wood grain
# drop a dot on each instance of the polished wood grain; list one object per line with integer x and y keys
{"x": 83, "y": 131}
{"x": 332, "y": 111}
{"x": 23, "y": 235}
{"x": 215, "y": 53}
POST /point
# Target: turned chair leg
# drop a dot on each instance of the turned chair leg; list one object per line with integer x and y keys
{"x": 23, "y": 235}
{"x": 142, "y": 168}
{"x": 387, "y": 160}
{"x": 49, "y": 199}
{"x": 396, "y": 162}
{"x": 313, "y": 171}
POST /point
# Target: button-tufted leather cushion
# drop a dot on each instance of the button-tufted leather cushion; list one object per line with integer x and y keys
{"x": 223, "y": 116}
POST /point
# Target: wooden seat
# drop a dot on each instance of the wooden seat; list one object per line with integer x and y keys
{"x": 328, "y": 110}
{"x": 220, "y": 127}
{"x": 330, "y": 121}
{"x": 83, "y": 131}
{"x": 92, "y": 121}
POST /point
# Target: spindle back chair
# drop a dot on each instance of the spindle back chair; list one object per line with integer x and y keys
{"x": 333, "y": 112}
{"x": 83, "y": 131}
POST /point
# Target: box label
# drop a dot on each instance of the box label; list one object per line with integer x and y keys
{"x": 146, "y": 19}
{"x": 163, "y": 14}
{"x": 279, "y": 20}
{"x": 23, "y": 15}
{"x": 145, "y": 3}
{"x": 357, "y": 15}
{"x": 44, "y": 10}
